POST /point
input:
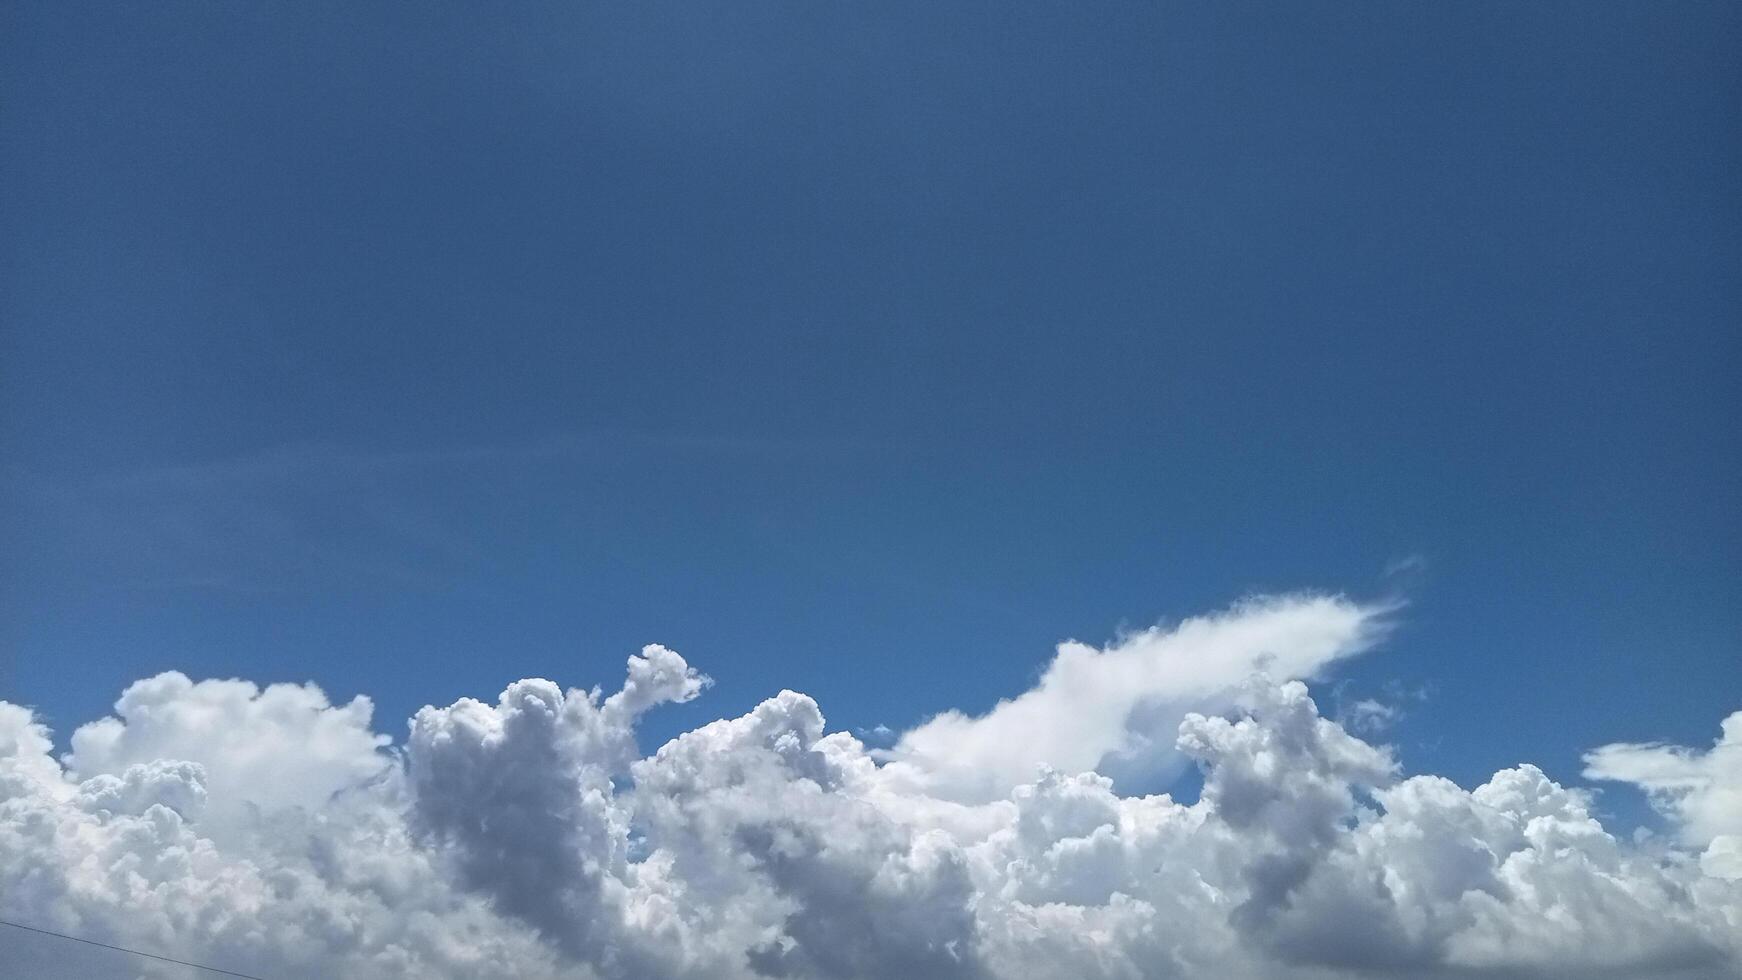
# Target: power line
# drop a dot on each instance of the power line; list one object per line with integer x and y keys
{"x": 135, "y": 952}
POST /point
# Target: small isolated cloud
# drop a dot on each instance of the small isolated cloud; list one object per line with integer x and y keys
{"x": 876, "y": 733}
{"x": 1404, "y": 566}
{"x": 268, "y": 831}
{"x": 1368, "y": 717}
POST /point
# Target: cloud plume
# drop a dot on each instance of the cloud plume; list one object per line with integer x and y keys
{"x": 1701, "y": 792}
{"x": 271, "y": 832}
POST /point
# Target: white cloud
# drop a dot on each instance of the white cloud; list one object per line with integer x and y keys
{"x": 529, "y": 837}
{"x": 340, "y": 891}
{"x": 1128, "y": 698}
{"x": 1700, "y": 791}
{"x": 261, "y": 751}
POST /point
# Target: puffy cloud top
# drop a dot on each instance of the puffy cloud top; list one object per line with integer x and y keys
{"x": 261, "y": 751}
{"x": 529, "y": 836}
{"x": 1129, "y": 697}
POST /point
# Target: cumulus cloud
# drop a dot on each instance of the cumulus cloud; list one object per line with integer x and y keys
{"x": 1700, "y": 791}
{"x": 529, "y": 836}
{"x": 259, "y": 751}
{"x": 1129, "y": 698}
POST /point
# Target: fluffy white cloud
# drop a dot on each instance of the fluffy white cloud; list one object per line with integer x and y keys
{"x": 520, "y": 798}
{"x": 529, "y": 837}
{"x": 1128, "y": 698}
{"x": 1700, "y": 791}
{"x": 260, "y": 751}
{"x": 303, "y": 868}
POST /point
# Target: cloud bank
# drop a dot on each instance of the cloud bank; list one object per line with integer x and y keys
{"x": 271, "y": 832}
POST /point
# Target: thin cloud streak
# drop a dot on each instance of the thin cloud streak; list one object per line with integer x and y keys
{"x": 305, "y": 517}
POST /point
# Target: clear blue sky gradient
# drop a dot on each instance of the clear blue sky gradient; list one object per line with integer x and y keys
{"x": 870, "y": 348}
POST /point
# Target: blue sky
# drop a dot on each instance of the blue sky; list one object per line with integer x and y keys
{"x": 869, "y": 350}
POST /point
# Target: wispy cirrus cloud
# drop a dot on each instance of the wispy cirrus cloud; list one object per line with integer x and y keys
{"x": 317, "y": 515}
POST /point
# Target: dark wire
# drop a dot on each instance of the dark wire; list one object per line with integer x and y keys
{"x": 135, "y": 952}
